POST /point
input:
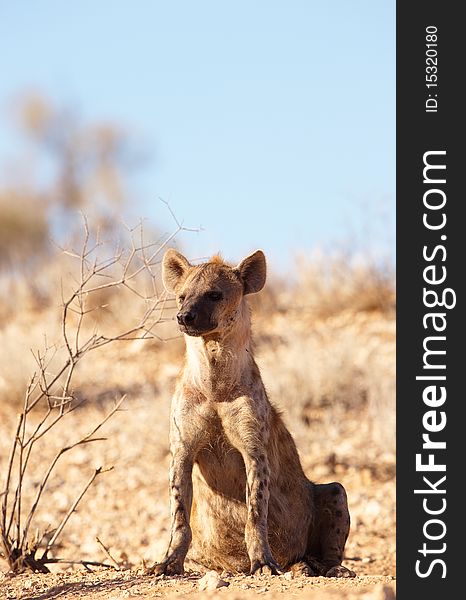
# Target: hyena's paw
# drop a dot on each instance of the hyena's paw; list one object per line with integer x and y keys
{"x": 265, "y": 567}
{"x": 340, "y": 571}
{"x": 169, "y": 566}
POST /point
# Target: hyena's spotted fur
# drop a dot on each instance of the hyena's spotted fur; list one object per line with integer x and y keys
{"x": 239, "y": 497}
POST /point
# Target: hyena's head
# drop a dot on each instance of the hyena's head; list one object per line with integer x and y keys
{"x": 209, "y": 295}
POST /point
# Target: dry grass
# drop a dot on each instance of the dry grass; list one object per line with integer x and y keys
{"x": 326, "y": 346}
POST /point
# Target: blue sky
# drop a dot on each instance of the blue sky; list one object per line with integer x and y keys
{"x": 271, "y": 123}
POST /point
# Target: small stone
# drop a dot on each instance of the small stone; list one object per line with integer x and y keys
{"x": 211, "y": 581}
{"x": 288, "y": 576}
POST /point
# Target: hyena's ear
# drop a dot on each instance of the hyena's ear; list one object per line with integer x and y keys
{"x": 175, "y": 267}
{"x": 253, "y": 271}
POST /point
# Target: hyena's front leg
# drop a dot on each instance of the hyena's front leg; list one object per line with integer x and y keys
{"x": 181, "y": 496}
{"x": 257, "y": 500}
{"x": 248, "y": 435}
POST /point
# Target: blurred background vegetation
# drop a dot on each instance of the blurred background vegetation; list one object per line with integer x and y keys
{"x": 67, "y": 166}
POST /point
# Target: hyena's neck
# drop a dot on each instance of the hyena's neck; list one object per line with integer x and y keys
{"x": 219, "y": 362}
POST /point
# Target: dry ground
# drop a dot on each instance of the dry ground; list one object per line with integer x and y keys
{"x": 331, "y": 374}
{"x": 128, "y": 584}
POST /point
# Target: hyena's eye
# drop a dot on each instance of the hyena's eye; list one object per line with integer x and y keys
{"x": 215, "y": 296}
{"x": 181, "y": 298}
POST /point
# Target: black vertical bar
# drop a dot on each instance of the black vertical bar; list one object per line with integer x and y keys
{"x": 430, "y": 119}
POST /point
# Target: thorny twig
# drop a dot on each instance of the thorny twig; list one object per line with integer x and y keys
{"x": 107, "y": 553}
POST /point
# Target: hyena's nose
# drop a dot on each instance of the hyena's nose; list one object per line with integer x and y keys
{"x": 186, "y": 318}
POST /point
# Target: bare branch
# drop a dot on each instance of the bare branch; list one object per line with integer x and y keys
{"x": 95, "y": 273}
{"x": 87, "y": 439}
{"x": 84, "y": 563}
{"x": 71, "y": 510}
{"x": 107, "y": 554}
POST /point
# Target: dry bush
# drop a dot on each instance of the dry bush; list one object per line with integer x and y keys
{"x": 88, "y": 160}
{"x": 31, "y": 309}
{"x": 23, "y": 228}
{"x": 64, "y": 165}
{"x": 50, "y": 397}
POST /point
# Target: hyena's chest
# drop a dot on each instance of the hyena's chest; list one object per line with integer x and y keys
{"x": 221, "y": 466}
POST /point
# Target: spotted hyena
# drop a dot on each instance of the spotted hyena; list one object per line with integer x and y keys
{"x": 239, "y": 498}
